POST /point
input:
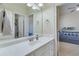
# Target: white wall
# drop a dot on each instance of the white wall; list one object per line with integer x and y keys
{"x": 37, "y": 23}
{"x": 48, "y": 26}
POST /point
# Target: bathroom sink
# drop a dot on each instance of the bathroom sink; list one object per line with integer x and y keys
{"x": 39, "y": 41}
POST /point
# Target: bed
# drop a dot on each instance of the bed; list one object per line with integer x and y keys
{"x": 70, "y": 37}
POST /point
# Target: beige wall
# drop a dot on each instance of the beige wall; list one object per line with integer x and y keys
{"x": 68, "y": 19}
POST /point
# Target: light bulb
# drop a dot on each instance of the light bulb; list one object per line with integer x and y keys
{"x": 40, "y": 4}
{"x": 77, "y": 9}
{"x": 29, "y": 4}
{"x": 34, "y": 7}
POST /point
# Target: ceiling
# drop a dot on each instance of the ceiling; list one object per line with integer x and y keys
{"x": 66, "y": 8}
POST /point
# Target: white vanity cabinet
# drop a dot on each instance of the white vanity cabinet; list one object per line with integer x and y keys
{"x": 45, "y": 50}
{"x": 42, "y": 47}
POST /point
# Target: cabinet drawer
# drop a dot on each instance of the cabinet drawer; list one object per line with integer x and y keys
{"x": 41, "y": 50}
{"x": 46, "y": 50}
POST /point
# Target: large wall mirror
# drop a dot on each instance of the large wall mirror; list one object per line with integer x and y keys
{"x": 20, "y": 20}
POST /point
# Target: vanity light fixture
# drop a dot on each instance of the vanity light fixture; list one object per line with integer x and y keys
{"x": 35, "y": 5}
{"x": 40, "y": 4}
{"x": 29, "y": 4}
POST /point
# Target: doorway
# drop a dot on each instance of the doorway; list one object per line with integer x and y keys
{"x": 16, "y": 26}
{"x": 30, "y": 25}
{"x": 68, "y": 30}
{"x": 19, "y": 26}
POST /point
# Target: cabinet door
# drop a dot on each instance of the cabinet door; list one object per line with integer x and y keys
{"x": 51, "y": 47}
{"x": 42, "y": 51}
{"x": 46, "y": 50}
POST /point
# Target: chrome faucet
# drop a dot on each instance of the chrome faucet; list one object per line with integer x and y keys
{"x": 33, "y": 37}
{"x": 37, "y": 37}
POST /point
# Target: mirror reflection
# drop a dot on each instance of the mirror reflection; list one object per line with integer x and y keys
{"x": 19, "y": 25}
{"x": 5, "y": 24}
{"x": 25, "y": 19}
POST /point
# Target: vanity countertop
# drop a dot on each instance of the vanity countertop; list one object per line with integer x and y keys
{"x": 24, "y": 47}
